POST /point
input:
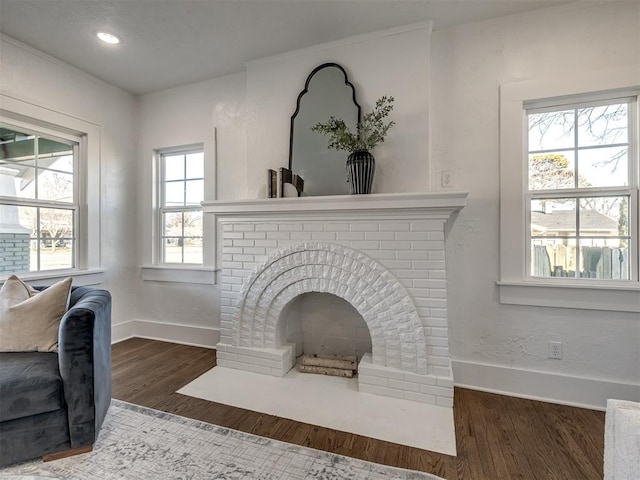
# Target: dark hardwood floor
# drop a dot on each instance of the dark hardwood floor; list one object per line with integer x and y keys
{"x": 498, "y": 437}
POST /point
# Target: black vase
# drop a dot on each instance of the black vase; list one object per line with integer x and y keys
{"x": 360, "y": 169}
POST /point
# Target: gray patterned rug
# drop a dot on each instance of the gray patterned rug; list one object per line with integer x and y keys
{"x": 140, "y": 443}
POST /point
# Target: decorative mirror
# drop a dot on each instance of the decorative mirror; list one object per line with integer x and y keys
{"x": 327, "y": 92}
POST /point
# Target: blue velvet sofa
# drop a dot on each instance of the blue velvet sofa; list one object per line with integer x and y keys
{"x": 56, "y": 402}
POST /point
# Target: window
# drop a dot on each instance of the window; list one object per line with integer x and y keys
{"x": 39, "y": 204}
{"x": 581, "y": 187}
{"x": 181, "y": 190}
{"x": 569, "y": 178}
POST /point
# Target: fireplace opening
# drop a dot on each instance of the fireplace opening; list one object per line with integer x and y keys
{"x": 325, "y": 324}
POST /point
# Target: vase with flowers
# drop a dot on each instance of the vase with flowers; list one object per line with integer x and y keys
{"x": 370, "y": 131}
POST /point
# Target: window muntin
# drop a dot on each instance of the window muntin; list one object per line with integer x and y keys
{"x": 181, "y": 191}
{"x": 581, "y": 184}
{"x": 38, "y": 201}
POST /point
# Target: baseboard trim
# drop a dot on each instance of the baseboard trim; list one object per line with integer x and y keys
{"x": 549, "y": 387}
{"x": 206, "y": 337}
{"x": 122, "y": 332}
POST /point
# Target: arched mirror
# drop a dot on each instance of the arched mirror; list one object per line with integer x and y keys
{"x": 326, "y": 93}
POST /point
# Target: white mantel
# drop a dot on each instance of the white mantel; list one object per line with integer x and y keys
{"x": 433, "y": 204}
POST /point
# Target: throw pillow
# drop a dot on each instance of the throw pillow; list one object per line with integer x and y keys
{"x": 29, "y": 319}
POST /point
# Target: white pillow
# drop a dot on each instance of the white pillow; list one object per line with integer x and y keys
{"x": 29, "y": 319}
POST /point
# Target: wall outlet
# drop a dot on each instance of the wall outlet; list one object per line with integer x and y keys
{"x": 447, "y": 179}
{"x": 555, "y": 350}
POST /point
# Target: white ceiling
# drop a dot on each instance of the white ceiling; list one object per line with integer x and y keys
{"x": 167, "y": 43}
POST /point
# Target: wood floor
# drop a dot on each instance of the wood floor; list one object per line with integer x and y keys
{"x": 498, "y": 437}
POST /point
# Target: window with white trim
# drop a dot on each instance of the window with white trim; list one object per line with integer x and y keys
{"x": 181, "y": 189}
{"x": 574, "y": 285}
{"x": 39, "y": 200}
{"x": 581, "y": 193}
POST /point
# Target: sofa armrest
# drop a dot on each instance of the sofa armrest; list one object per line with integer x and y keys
{"x": 84, "y": 356}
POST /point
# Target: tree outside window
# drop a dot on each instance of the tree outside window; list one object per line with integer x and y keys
{"x": 579, "y": 190}
{"x": 181, "y": 191}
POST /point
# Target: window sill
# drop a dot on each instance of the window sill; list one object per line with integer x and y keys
{"x": 179, "y": 274}
{"x": 616, "y": 297}
{"x": 81, "y": 278}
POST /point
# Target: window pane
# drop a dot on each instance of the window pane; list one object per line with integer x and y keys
{"x": 58, "y": 256}
{"x": 193, "y": 224}
{"x": 603, "y": 167}
{"x": 604, "y": 217}
{"x": 63, "y": 163}
{"x": 604, "y": 258}
{"x": 17, "y": 147}
{"x": 172, "y": 224}
{"x": 193, "y": 250}
{"x": 50, "y": 150}
{"x": 56, "y": 238}
{"x": 548, "y": 171}
{"x": 15, "y": 238}
{"x": 553, "y": 257}
{"x": 603, "y": 125}
{"x": 172, "y": 249}
{"x": 553, "y": 217}
{"x": 55, "y": 186}
{"x": 195, "y": 165}
{"x": 195, "y": 192}
{"x": 17, "y": 181}
{"x": 173, "y": 194}
{"x": 551, "y": 130}
{"x": 173, "y": 167}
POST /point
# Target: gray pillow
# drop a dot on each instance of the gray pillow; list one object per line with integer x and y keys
{"x": 29, "y": 320}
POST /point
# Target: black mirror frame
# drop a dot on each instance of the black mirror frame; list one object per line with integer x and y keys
{"x": 306, "y": 89}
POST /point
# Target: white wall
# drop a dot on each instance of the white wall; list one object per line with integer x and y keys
{"x": 393, "y": 62}
{"x": 34, "y": 77}
{"x": 211, "y": 113}
{"x": 251, "y": 115}
{"x": 468, "y": 65}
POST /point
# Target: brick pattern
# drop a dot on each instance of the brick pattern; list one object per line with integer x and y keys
{"x": 14, "y": 252}
{"x": 391, "y": 271}
{"x": 390, "y": 382}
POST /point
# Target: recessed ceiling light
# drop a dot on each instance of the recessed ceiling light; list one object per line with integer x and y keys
{"x": 109, "y": 38}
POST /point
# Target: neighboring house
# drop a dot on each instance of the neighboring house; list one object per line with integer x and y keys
{"x": 601, "y": 256}
{"x": 562, "y": 223}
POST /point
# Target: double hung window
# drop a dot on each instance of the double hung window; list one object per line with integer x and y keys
{"x": 569, "y": 182}
{"x": 181, "y": 190}
{"x": 39, "y": 200}
{"x": 581, "y": 193}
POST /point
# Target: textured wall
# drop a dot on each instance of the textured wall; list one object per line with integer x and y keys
{"x": 31, "y": 76}
{"x": 396, "y": 65}
{"x": 469, "y": 63}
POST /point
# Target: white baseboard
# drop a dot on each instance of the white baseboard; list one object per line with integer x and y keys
{"x": 122, "y": 331}
{"x": 535, "y": 385}
{"x": 206, "y": 337}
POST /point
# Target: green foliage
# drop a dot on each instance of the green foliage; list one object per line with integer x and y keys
{"x": 623, "y": 222}
{"x": 370, "y": 131}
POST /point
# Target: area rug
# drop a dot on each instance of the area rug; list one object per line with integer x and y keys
{"x": 141, "y": 443}
{"x": 331, "y": 402}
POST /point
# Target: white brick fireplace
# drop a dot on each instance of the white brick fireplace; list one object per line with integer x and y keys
{"x": 383, "y": 253}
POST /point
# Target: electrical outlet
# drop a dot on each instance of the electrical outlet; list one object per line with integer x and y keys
{"x": 555, "y": 350}
{"x": 447, "y": 179}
